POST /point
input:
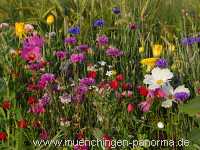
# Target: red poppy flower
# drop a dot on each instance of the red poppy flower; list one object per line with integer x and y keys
{"x": 92, "y": 74}
{"x": 114, "y": 84}
{"x": 3, "y": 136}
{"x": 120, "y": 77}
{"x": 6, "y": 105}
{"x": 143, "y": 90}
{"x": 22, "y": 123}
{"x": 31, "y": 100}
{"x": 131, "y": 107}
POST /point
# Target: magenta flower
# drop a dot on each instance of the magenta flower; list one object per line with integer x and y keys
{"x": 70, "y": 40}
{"x": 45, "y": 79}
{"x": 87, "y": 81}
{"x": 61, "y": 54}
{"x": 113, "y": 52}
{"x": 33, "y": 41}
{"x": 82, "y": 48}
{"x": 31, "y": 54}
{"x": 44, "y": 135}
{"x": 102, "y": 40}
{"x": 74, "y": 58}
{"x": 37, "y": 109}
{"x": 145, "y": 105}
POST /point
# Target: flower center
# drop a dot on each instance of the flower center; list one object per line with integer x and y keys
{"x": 160, "y": 82}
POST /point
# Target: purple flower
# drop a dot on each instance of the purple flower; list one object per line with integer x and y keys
{"x": 44, "y": 135}
{"x": 44, "y": 100}
{"x": 81, "y": 89}
{"x": 116, "y": 10}
{"x": 33, "y": 41}
{"x": 48, "y": 77}
{"x": 87, "y": 81}
{"x": 82, "y": 48}
{"x": 45, "y": 79}
{"x": 113, "y": 52}
{"x": 70, "y": 40}
{"x": 102, "y": 40}
{"x": 181, "y": 96}
{"x": 74, "y": 30}
{"x": 74, "y": 58}
{"x": 36, "y": 66}
{"x": 99, "y": 23}
{"x": 61, "y": 54}
{"x": 190, "y": 40}
{"x": 161, "y": 63}
{"x": 81, "y": 147}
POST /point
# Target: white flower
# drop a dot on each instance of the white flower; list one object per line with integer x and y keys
{"x": 158, "y": 77}
{"x": 160, "y": 125}
{"x": 182, "y": 89}
{"x": 65, "y": 99}
{"x": 170, "y": 94}
{"x": 102, "y": 63}
{"x": 109, "y": 73}
{"x": 167, "y": 103}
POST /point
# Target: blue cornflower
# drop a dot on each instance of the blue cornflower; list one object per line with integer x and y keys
{"x": 161, "y": 63}
{"x": 190, "y": 40}
{"x": 99, "y": 23}
{"x": 116, "y": 10}
{"x": 74, "y": 30}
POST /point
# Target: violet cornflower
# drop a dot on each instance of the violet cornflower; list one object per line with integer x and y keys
{"x": 82, "y": 47}
{"x": 190, "y": 40}
{"x": 45, "y": 79}
{"x": 161, "y": 63}
{"x": 61, "y": 54}
{"x": 99, "y": 23}
{"x": 113, "y": 52}
{"x": 102, "y": 40}
{"x": 116, "y": 10}
{"x": 33, "y": 41}
{"x": 87, "y": 81}
{"x": 70, "y": 40}
{"x": 44, "y": 100}
{"x": 74, "y": 58}
{"x": 74, "y": 30}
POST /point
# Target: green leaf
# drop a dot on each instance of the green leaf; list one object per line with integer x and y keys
{"x": 192, "y": 107}
{"x": 97, "y": 133}
{"x": 194, "y": 136}
{"x": 2, "y": 86}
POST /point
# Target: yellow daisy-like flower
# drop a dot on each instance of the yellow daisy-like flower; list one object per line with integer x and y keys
{"x": 19, "y": 29}
{"x": 50, "y": 19}
{"x": 157, "y": 50}
{"x": 150, "y": 62}
{"x": 141, "y": 49}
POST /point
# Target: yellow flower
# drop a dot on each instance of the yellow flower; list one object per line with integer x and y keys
{"x": 157, "y": 50}
{"x": 150, "y": 62}
{"x": 141, "y": 49}
{"x": 114, "y": 72}
{"x": 50, "y": 19}
{"x": 171, "y": 47}
{"x": 19, "y": 29}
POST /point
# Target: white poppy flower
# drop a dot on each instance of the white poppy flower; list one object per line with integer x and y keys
{"x": 158, "y": 78}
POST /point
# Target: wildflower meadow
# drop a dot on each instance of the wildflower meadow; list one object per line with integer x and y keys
{"x": 99, "y": 74}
